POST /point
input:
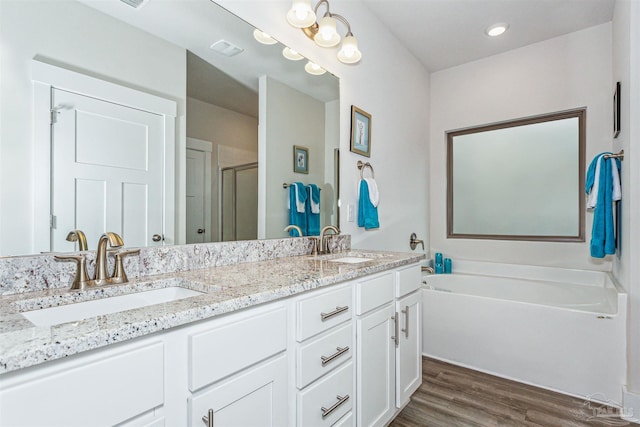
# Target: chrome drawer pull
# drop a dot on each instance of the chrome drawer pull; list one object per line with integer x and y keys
{"x": 396, "y": 336}
{"x": 406, "y": 321}
{"x": 208, "y": 419}
{"x": 341, "y": 400}
{"x": 341, "y": 351}
{"x": 338, "y": 310}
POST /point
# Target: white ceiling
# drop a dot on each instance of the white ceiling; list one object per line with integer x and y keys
{"x": 446, "y": 33}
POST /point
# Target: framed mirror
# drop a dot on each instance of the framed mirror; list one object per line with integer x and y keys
{"x": 518, "y": 180}
{"x": 168, "y": 50}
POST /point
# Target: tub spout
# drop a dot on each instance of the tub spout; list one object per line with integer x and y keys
{"x": 427, "y": 269}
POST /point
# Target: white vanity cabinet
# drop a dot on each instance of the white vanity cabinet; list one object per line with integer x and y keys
{"x": 104, "y": 388}
{"x": 324, "y": 368}
{"x": 389, "y": 362}
{"x": 238, "y": 370}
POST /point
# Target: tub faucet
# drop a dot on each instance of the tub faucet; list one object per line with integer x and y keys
{"x": 293, "y": 227}
{"x": 78, "y": 236}
{"x": 427, "y": 269}
{"x": 101, "y": 276}
{"x": 324, "y": 242}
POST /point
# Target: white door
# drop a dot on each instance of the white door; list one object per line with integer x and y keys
{"x": 376, "y": 367}
{"x": 409, "y": 350}
{"x": 255, "y": 398}
{"x": 198, "y": 190}
{"x": 107, "y": 171}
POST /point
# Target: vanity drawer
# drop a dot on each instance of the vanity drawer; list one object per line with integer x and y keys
{"x": 338, "y": 343}
{"x": 408, "y": 279}
{"x": 239, "y": 342}
{"x": 324, "y": 394}
{"x": 322, "y": 312}
{"x": 374, "y": 292}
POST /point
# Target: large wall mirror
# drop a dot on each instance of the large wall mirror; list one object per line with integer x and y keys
{"x": 226, "y": 182}
{"x": 518, "y": 180}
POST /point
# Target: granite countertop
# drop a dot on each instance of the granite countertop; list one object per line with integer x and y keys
{"x": 226, "y": 289}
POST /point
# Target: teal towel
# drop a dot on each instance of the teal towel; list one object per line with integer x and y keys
{"x": 367, "y": 213}
{"x": 295, "y": 217}
{"x": 603, "y": 239}
{"x": 313, "y": 219}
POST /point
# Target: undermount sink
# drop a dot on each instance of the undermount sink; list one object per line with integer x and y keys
{"x": 83, "y": 310}
{"x": 350, "y": 260}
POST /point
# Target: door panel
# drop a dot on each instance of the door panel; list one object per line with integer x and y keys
{"x": 409, "y": 352}
{"x": 107, "y": 171}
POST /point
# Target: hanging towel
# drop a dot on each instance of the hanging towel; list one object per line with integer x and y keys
{"x": 297, "y": 213}
{"x": 603, "y": 179}
{"x": 374, "y": 196}
{"x": 313, "y": 210}
{"x": 367, "y": 212}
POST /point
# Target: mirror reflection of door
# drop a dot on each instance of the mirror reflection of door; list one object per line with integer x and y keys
{"x": 107, "y": 172}
{"x": 239, "y": 202}
{"x": 198, "y": 190}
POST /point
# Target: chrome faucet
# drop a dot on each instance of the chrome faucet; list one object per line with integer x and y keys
{"x": 101, "y": 275}
{"x": 324, "y": 243}
{"x": 293, "y": 227}
{"x": 78, "y": 236}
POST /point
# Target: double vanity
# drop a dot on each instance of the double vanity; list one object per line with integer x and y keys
{"x": 286, "y": 339}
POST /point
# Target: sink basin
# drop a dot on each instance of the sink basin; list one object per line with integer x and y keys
{"x": 350, "y": 260}
{"x": 83, "y": 310}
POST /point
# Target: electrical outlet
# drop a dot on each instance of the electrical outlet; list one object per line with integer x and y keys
{"x": 350, "y": 214}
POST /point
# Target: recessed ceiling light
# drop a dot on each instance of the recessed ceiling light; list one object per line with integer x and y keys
{"x": 496, "y": 29}
{"x": 263, "y": 37}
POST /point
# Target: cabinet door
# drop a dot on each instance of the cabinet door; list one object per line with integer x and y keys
{"x": 376, "y": 373}
{"x": 256, "y": 397}
{"x": 409, "y": 350}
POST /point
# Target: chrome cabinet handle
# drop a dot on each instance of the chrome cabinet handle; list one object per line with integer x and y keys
{"x": 396, "y": 336}
{"x": 406, "y": 321}
{"x": 208, "y": 419}
{"x": 338, "y": 310}
{"x": 340, "y": 352}
{"x": 157, "y": 238}
{"x": 326, "y": 412}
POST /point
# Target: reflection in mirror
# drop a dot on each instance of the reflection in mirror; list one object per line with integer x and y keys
{"x": 162, "y": 49}
{"x": 518, "y": 180}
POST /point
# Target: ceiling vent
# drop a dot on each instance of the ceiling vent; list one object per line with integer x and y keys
{"x": 137, "y": 4}
{"x": 225, "y": 48}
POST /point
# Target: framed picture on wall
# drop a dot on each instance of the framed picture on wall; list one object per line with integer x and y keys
{"x": 360, "y": 132}
{"x": 616, "y": 111}
{"x": 300, "y": 159}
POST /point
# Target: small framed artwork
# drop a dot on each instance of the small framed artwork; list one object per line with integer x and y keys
{"x": 616, "y": 111}
{"x": 360, "y": 132}
{"x": 300, "y": 159}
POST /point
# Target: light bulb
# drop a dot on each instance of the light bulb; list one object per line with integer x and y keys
{"x": 263, "y": 37}
{"x": 291, "y": 54}
{"x": 327, "y": 34}
{"x": 313, "y": 68}
{"x": 349, "y": 52}
{"x": 301, "y": 14}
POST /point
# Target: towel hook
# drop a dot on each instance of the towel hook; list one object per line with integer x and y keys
{"x": 362, "y": 167}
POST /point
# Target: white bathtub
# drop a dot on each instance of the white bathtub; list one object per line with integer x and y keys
{"x": 564, "y": 330}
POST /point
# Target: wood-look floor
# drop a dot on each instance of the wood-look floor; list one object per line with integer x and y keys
{"x": 452, "y": 396}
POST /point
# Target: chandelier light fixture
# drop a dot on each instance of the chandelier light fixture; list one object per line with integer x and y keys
{"x": 324, "y": 32}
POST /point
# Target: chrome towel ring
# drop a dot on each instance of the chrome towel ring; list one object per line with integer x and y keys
{"x": 362, "y": 167}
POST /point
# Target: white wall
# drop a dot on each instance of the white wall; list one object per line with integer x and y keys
{"x": 224, "y": 128}
{"x": 563, "y": 73}
{"x": 388, "y": 83}
{"x": 73, "y": 36}
{"x": 626, "y": 63}
{"x": 291, "y": 118}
